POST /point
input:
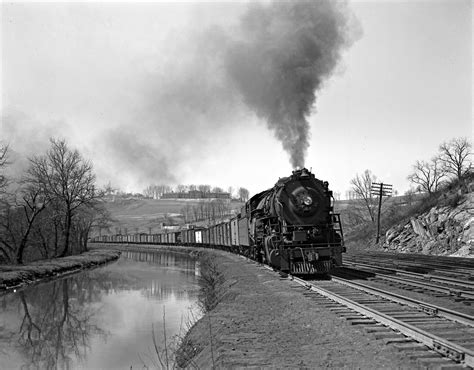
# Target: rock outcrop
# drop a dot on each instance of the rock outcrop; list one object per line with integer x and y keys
{"x": 444, "y": 230}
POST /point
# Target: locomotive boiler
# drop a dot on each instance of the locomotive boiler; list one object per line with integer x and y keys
{"x": 293, "y": 227}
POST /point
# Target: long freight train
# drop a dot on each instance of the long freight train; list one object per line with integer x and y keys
{"x": 291, "y": 226}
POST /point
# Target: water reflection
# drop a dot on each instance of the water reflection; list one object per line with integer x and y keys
{"x": 55, "y": 326}
{"x": 98, "y": 319}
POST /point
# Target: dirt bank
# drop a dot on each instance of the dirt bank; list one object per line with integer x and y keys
{"x": 264, "y": 321}
{"x": 17, "y": 276}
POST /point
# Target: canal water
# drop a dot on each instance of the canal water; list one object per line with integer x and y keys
{"x": 104, "y": 318}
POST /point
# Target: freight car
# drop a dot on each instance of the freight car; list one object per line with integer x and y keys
{"x": 292, "y": 227}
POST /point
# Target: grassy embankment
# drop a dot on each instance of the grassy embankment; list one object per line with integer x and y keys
{"x": 17, "y": 276}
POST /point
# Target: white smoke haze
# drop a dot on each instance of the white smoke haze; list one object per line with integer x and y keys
{"x": 27, "y": 137}
{"x": 259, "y": 59}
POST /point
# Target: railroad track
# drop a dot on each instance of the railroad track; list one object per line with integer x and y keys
{"x": 455, "y": 289}
{"x": 411, "y": 325}
{"x": 435, "y": 336}
{"x": 439, "y": 266}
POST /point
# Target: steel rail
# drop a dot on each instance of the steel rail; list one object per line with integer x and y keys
{"x": 440, "y": 345}
{"x": 464, "y": 271}
{"x": 430, "y": 277}
{"x": 421, "y": 284}
{"x": 459, "y": 317}
{"x": 433, "y": 261}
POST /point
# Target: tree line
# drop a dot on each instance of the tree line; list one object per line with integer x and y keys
{"x": 453, "y": 161}
{"x": 207, "y": 211}
{"x": 156, "y": 191}
{"x": 50, "y": 210}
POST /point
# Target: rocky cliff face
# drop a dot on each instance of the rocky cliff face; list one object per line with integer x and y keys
{"x": 444, "y": 230}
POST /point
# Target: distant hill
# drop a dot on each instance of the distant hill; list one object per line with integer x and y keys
{"x": 133, "y": 215}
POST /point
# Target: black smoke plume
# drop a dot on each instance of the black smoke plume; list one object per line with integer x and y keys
{"x": 286, "y": 50}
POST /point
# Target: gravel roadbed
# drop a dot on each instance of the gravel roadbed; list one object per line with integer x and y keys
{"x": 18, "y": 276}
{"x": 264, "y": 321}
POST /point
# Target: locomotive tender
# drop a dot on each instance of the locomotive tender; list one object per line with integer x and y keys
{"x": 291, "y": 227}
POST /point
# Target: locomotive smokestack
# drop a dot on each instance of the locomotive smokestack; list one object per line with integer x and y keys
{"x": 286, "y": 51}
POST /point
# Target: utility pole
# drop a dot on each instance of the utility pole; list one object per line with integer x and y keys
{"x": 381, "y": 190}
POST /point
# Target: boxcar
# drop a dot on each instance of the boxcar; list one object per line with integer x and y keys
{"x": 171, "y": 237}
{"x": 243, "y": 232}
{"x": 198, "y": 237}
{"x": 205, "y": 236}
{"x": 177, "y": 237}
{"x": 234, "y": 231}
{"x": 212, "y": 235}
{"x": 219, "y": 234}
{"x": 228, "y": 239}
{"x": 190, "y": 236}
{"x": 184, "y": 236}
{"x": 215, "y": 232}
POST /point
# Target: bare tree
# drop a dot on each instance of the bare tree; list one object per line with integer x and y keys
{"x": 427, "y": 175}
{"x": 180, "y": 188}
{"x": 65, "y": 177}
{"x": 156, "y": 191}
{"x": 217, "y": 189}
{"x": 186, "y": 211}
{"x": 19, "y": 214}
{"x": 350, "y": 194}
{"x": 90, "y": 216}
{"x": 362, "y": 188}
{"x": 3, "y": 164}
{"x": 17, "y": 224}
{"x": 34, "y": 202}
{"x": 243, "y": 194}
{"x": 205, "y": 189}
{"x": 109, "y": 189}
{"x": 149, "y": 191}
{"x": 455, "y": 157}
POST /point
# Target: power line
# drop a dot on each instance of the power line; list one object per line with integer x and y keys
{"x": 380, "y": 190}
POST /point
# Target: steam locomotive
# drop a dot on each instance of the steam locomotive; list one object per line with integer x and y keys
{"x": 291, "y": 227}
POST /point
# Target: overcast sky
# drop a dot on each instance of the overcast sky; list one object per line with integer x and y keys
{"x": 159, "y": 92}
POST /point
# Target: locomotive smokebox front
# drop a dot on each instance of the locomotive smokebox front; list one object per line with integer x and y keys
{"x": 303, "y": 199}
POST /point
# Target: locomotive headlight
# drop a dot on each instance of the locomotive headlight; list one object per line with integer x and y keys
{"x": 307, "y": 201}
